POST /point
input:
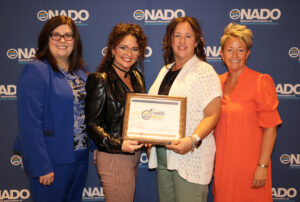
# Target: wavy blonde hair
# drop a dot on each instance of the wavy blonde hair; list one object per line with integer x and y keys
{"x": 238, "y": 31}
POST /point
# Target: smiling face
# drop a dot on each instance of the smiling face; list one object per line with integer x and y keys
{"x": 126, "y": 52}
{"x": 61, "y": 49}
{"x": 235, "y": 54}
{"x": 183, "y": 42}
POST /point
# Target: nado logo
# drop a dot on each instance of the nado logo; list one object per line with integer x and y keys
{"x": 8, "y": 92}
{"x": 157, "y": 16}
{"x": 288, "y": 91}
{"x": 42, "y": 15}
{"x": 294, "y": 53}
{"x": 213, "y": 53}
{"x": 235, "y": 14}
{"x": 284, "y": 194}
{"x": 148, "y": 54}
{"x": 14, "y": 194}
{"x": 138, "y": 14}
{"x": 146, "y": 114}
{"x": 256, "y": 16}
{"x": 104, "y": 51}
{"x": 78, "y": 16}
{"x": 93, "y": 194}
{"x": 24, "y": 55}
{"x": 16, "y": 160}
{"x": 292, "y": 159}
{"x": 12, "y": 53}
{"x": 153, "y": 114}
{"x": 143, "y": 161}
{"x": 285, "y": 159}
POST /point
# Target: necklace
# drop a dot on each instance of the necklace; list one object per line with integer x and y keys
{"x": 126, "y": 72}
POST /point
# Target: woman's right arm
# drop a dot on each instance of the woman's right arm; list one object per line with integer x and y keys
{"x": 32, "y": 94}
{"x": 95, "y": 116}
{"x": 95, "y": 113}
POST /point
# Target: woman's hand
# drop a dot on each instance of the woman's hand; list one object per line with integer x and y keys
{"x": 47, "y": 179}
{"x": 131, "y": 146}
{"x": 260, "y": 177}
{"x": 148, "y": 149}
{"x": 181, "y": 146}
{"x": 260, "y": 174}
{"x": 95, "y": 156}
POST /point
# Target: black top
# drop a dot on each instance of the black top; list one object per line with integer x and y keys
{"x": 105, "y": 106}
{"x": 167, "y": 82}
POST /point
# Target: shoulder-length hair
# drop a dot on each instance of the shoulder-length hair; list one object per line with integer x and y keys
{"x": 43, "y": 52}
{"x": 118, "y": 33}
{"x": 167, "y": 41}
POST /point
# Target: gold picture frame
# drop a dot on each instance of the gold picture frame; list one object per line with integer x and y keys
{"x": 154, "y": 119}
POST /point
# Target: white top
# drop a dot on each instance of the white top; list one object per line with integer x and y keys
{"x": 199, "y": 82}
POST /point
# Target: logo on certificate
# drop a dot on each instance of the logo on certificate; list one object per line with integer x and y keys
{"x": 153, "y": 114}
{"x": 147, "y": 114}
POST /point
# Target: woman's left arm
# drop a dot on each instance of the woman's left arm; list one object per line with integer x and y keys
{"x": 268, "y": 140}
{"x": 211, "y": 116}
{"x": 206, "y": 125}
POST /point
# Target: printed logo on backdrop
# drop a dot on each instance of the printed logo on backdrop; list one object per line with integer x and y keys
{"x": 293, "y": 160}
{"x": 143, "y": 161}
{"x": 288, "y": 91}
{"x": 104, "y": 51}
{"x": 294, "y": 53}
{"x": 78, "y": 16}
{"x": 93, "y": 194}
{"x": 284, "y": 194}
{"x": 256, "y": 16}
{"x": 147, "y": 55}
{"x": 16, "y": 160}
{"x": 157, "y": 16}
{"x": 23, "y": 55}
{"x": 13, "y": 195}
{"x": 213, "y": 53}
{"x": 8, "y": 92}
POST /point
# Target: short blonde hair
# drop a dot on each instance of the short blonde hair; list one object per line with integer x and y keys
{"x": 239, "y": 31}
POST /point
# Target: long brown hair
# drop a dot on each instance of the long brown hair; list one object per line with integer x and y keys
{"x": 43, "y": 52}
{"x": 167, "y": 41}
{"x": 118, "y": 33}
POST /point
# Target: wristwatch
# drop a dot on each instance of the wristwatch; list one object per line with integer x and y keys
{"x": 198, "y": 140}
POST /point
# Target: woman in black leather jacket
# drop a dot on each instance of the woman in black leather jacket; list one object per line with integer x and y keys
{"x": 116, "y": 160}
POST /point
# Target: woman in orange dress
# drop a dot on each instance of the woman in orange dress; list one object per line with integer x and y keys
{"x": 246, "y": 131}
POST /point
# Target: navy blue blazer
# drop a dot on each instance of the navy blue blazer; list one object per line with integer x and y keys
{"x": 46, "y": 117}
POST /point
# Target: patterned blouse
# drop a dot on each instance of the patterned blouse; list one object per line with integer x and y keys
{"x": 80, "y": 138}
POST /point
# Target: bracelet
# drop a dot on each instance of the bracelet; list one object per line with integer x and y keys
{"x": 262, "y": 165}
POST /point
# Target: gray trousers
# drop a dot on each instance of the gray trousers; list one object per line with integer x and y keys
{"x": 118, "y": 174}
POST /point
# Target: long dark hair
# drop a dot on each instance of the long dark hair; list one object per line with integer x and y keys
{"x": 43, "y": 52}
{"x": 167, "y": 41}
{"x": 118, "y": 33}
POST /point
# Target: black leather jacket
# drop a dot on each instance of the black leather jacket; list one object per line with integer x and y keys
{"x": 105, "y": 106}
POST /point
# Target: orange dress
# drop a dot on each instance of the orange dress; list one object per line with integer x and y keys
{"x": 250, "y": 106}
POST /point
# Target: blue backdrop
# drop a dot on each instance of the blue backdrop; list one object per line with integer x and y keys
{"x": 276, "y": 28}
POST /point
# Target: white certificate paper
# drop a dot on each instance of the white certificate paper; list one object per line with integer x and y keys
{"x": 154, "y": 118}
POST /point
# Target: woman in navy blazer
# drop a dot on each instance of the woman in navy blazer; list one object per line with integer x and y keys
{"x": 51, "y": 95}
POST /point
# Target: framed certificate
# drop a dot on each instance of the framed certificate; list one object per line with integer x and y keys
{"x": 154, "y": 118}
